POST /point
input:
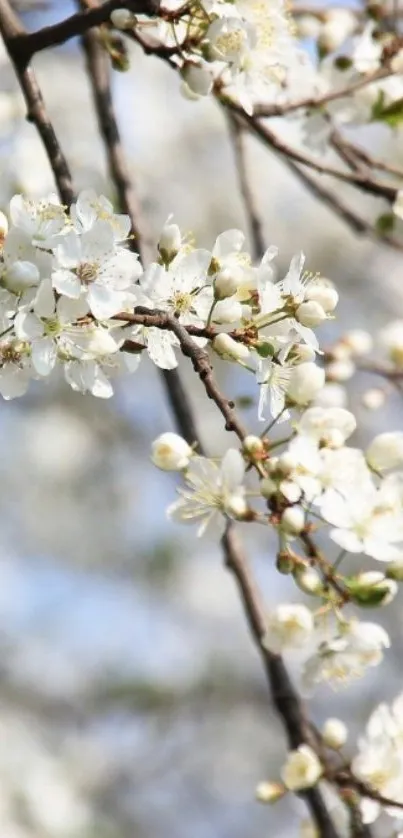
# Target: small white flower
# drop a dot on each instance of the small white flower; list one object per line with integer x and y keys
{"x": 385, "y": 451}
{"x": 91, "y": 208}
{"x": 327, "y": 426}
{"x": 306, "y": 380}
{"x": 288, "y": 627}
{"x": 211, "y": 490}
{"x": 171, "y": 452}
{"x": 334, "y": 733}
{"x": 347, "y": 655}
{"x": 302, "y": 769}
{"x": 91, "y": 266}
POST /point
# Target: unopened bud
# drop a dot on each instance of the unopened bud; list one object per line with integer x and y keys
{"x": 309, "y": 581}
{"x": 293, "y": 520}
{"x": 334, "y": 734}
{"x": 371, "y": 589}
{"x": 170, "y": 241}
{"x": 305, "y": 382}
{"x": 122, "y": 19}
{"x": 170, "y": 452}
{"x": 237, "y": 507}
{"x": 198, "y": 78}
{"x": 394, "y": 570}
{"x": 359, "y": 341}
{"x": 225, "y": 284}
{"x": 340, "y": 370}
{"x": 285, "y": 562}
{"x": 269, "y": 792}
{"x": 230, "y": 349}
{"x": 310, "y": 314}
{"x": 373, "y": 399}
{"x": 267, "y": 487}
{"x": 323, "y": 294}
{"x": 308, "y": 26}
{"x": 253, "y": 445}
{"x": 385, "y": 451}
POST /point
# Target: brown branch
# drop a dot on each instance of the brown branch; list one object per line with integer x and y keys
{"x": 25, "y": 45}
{"x": 11, "y": 28}
{"x": 252, "y": 215}
{"x": 312, "y": 102}
{"x": 269, "y": 138}
{"x": 99, "y": 75}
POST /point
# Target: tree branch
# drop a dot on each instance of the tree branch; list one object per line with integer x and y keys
{"x": 252, "y": 215}
{"x": 10, "y": 27}
{"x": 24, "y": 45}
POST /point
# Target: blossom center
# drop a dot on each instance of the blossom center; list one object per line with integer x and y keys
{"x": 87, "y": 272}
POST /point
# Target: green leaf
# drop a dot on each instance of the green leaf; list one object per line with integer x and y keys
{"x": 265, "y": 350}
{"x": 391, "y": 114}
{"x": 385, "y": 222}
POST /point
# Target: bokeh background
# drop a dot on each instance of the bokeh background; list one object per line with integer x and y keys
{"x": 132, "y": 702}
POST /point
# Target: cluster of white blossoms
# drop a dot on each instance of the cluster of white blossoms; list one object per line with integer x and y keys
{"x": 69, "y": 281}
{"x": 247, "y": 49}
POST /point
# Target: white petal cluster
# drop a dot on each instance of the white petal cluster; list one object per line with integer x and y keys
{"x": 212, "y": 491}
{"x": 63, "y": 276}
{"x": 346, "y": 656}
{"x": 302, "y": 769}
{"x": 379, "y": 761}
{"x": 288, "y": 627}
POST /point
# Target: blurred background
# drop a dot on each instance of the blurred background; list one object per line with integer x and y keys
{"x": 132, "y": 702}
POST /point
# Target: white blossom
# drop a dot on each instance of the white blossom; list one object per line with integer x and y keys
{"x": 211, "y": 491}
{"x": 302, "y": 769}
{"x": 288, "y": 627}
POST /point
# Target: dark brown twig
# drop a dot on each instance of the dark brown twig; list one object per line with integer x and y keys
{"x": 24, "y": 45}
{"x": 11, "y": 28}
{"x": 252, "y": 215}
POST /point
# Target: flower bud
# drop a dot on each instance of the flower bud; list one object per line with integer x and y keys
{"x": 324, "y": 294}
{"x": 359, "y": 341}
{"x": 230, "y": 349}
{"x": 269, "y": 792}
{"x": 371, "y": 589}
{"x": 170, "y": 241}
{"x": 302, "y": 352}
{"x": 170, "y": 452}
{"x": 302, "y": 769}
{"x": 20, "y": 276}
{"x": 334, "y": 734}
{"x": 3, "y": 227}
{"x": 394, "y": 570}
{"x": 309, "y": 581}
{"x": 305, "y": 382}
{"x": 287, "y": 462}
{"x": 225, "y": 284}
{"x": 339, "y": 25}
{"x": 308, "y": 26}
{"x": 197, "y": 77}
{"x": 340, "y": 370}
{"x": 293, "y": 520}
{"x": 310, "y": 314}
{"x": 385, "y": 451}
{"x": 122, "y": 19}
{"x": 267, "y": 487}
{"x": 253, "y": 445}
{"x": 373, "y": 399}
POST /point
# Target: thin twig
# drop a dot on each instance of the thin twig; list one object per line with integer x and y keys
{"x": 10, "y": 28}
{"x": 25, "y": 45}
{"x": 252, "y": 215}
{"x": 312, "y": 102}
